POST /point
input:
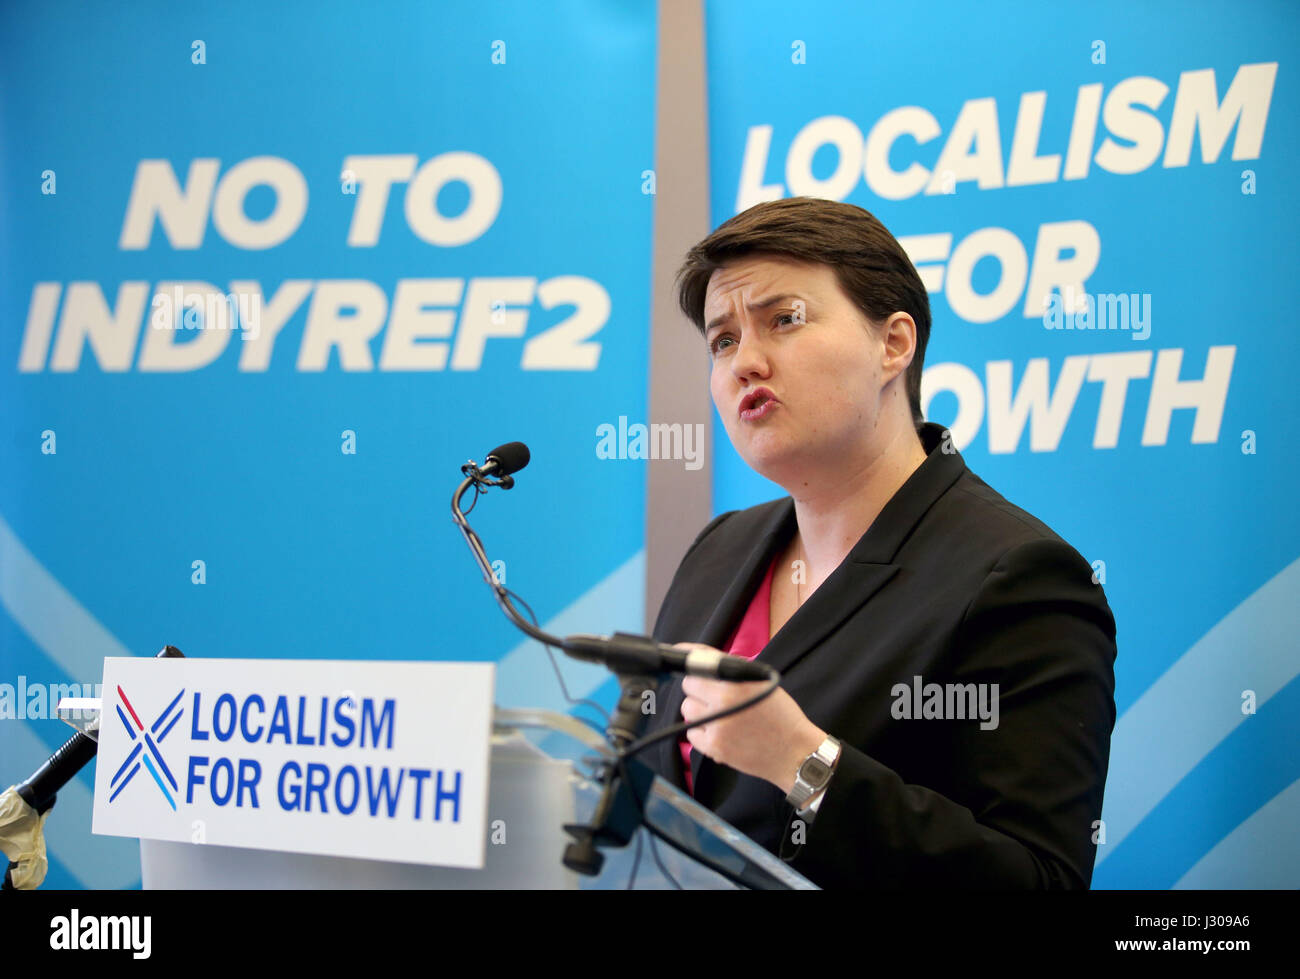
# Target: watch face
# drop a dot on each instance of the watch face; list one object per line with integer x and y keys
{"x": 814, "y": 770}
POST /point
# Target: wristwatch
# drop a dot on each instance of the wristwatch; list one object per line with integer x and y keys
{"x": 814, "y": 773}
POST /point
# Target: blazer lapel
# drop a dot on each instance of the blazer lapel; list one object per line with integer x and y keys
{"x": 868, "y": 567}
{"x": 773, "y": 533}
{"x": 851, "y": 585}
{"x": 870, "y": 564}
{"x": 745, "y": 575}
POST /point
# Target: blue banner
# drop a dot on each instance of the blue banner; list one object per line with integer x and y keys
{"x": 270, "y": 276}
{"x": 1099, "y": 203}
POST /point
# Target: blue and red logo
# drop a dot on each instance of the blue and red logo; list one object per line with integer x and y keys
{"x": 146, "y": 749}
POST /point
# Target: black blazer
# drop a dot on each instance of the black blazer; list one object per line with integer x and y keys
{"x": 955, "y": 585}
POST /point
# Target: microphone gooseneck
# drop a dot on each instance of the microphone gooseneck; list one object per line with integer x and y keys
{"x": 622, "y": 652}
{"x": 640, "y": 662}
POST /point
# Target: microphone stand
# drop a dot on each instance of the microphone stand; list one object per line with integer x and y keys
{"x": 618, "y": 811}
{"x": 638, "y": 661}
{"x": 40, "y": 789}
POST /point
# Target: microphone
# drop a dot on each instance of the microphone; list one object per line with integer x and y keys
{"x": 627, "y": 652}
{"x": 501, "y": 462}
{"x": 506, "y": 459}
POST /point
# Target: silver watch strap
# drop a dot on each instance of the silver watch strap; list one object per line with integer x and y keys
{"x": 828, "y": 752}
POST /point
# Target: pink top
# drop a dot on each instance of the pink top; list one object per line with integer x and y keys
{"x": 748, "y": 641}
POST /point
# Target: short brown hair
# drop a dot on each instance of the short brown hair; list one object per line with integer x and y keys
{"x": 869, "y": 263}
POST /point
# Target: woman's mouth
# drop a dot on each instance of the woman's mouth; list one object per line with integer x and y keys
{"x": 757, "y": 404}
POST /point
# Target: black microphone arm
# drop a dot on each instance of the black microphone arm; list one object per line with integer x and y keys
{"x": 640, "y": 663}
{"x": 622, "y": 652}
{"x": 40, "y": 789}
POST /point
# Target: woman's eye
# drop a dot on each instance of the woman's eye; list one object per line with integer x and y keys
{"x": 717, "y": 344}
{"x": 785, "y": 316}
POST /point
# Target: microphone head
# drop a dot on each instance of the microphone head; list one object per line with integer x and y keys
{"x": 510, "y": 458}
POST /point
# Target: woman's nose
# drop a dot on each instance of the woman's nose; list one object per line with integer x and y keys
{"x": 750, "y": 358}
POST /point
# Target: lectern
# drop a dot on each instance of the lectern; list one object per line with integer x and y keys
{"x": 542, "y": 778}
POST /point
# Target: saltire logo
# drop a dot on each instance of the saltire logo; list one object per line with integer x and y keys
{"x": 145, "y": 747}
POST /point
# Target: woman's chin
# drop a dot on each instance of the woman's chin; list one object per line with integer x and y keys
{"x": 780, "y": 465}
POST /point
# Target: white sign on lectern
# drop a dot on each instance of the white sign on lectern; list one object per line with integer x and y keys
{"x": 384, "y": 761}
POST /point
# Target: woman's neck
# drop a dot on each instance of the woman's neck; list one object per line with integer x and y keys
{"x": 836, "y": 511}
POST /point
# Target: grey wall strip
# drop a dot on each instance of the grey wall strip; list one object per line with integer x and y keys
{"x": 678, "y": 499}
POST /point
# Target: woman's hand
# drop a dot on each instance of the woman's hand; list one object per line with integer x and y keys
{"x": 769, "y": 740}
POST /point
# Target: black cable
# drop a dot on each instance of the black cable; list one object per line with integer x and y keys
{"x": 640, "y": 808}
{"x": 636, "y": 861}
{"x": 643, "y": 743}
{"x": 638, "y": 746}
{"x": 717, "y": 868}
{"x": 504, "y": 598}
{"x": 564, "y": 689}
{"x": 478, "y": 491}
{"x": 654, "y": 852}
{"x": 533, "y": 629}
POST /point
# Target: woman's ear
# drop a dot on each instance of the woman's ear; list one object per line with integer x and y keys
{"x": 899, "y": 335}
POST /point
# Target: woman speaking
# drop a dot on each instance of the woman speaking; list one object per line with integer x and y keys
{"x": 947, "y": 700}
